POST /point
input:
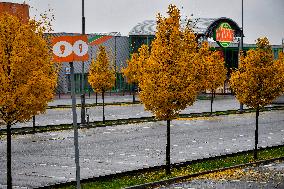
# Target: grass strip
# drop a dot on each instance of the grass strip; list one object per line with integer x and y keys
{"x": 48, "y": 128}
{"x": 178, "y": 170}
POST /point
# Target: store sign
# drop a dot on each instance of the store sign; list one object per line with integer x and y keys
{"x": 70, "y": 48}
{"x": 224, "y": 34}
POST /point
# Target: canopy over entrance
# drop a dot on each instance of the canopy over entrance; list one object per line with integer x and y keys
{"x": 203, "y": 27}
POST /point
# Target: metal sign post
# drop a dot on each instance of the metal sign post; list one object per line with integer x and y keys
{"x": 69, "y": 49}
{"x": 75, "y": 126}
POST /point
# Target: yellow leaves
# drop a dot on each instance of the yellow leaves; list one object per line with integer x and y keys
{"x": 27, "y": 75}
{"x": 168, "y": 78}
{"x": 259, "y": 79}
{"x": 212, "y": 67}
{"x": 134, "y": 67}
{"x": 101, "y": 75}
{"x": 228, "y": 174}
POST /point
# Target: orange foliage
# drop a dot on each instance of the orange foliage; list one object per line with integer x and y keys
{"x": 259, "y": 79}
{"x": 213, "y": 68}
{"x": 170, "y": 75}
{"x": 135, "y": 64}
{"x": 27, "y": 75}
{"x": 101, "y": 75}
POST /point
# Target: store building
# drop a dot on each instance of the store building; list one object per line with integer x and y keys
{"x": 21, "y": 11}
{"x": 205, "y": 29}
{"x": 121, "y": 47}
{"x": 223, "y": 34}
{"x": 117, "y": 47}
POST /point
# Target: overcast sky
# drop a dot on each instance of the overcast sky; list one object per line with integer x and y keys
{"x": 261, "y": 17}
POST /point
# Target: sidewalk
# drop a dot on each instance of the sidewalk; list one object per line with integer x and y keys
{"x": 262, "y": 176}
{"x": 112, "y": 112}
{"x": 113, "y": 98}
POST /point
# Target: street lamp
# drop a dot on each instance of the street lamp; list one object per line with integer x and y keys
{"x": 242, "y": 43}
{"x": 83, "y": 113}
{"x": 282, "y": 44}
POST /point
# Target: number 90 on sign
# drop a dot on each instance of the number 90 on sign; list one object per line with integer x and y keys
{"x": 70, "y": 48}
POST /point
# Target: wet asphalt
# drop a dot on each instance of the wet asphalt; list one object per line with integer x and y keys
{"x": 47, "y": 158}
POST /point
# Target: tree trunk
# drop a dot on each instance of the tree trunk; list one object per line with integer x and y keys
{"x": 133, "y": 92}
{"x": 256, "y": 134}
{"x": 103, "y": 96}
{"x": 168, "y": 148}
{"x": 34, "y": 123}
{"x": 241, "y": 107}
{"x": 9, "y": 161}
{"x": 212, "y": 98}
{"x": 96, "y": 98}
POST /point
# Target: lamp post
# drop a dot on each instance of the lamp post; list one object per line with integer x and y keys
{"x": 115, "y": 84}
{"x": 83, "y": 113}
{"x": 282, "y": 44}
{"x": 242, "y": 43}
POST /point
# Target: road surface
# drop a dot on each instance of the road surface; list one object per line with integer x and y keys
{"x": 48, "y": 158}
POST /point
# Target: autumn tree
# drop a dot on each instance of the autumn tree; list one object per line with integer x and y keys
{"x": 27, "y": 75}
{"x": 213, "y": 69}
{"x": 259, "y": 79}
{"x": 101, "y": 75}
{"x": 169, "y": 78}
{"x": 134, "y": 66}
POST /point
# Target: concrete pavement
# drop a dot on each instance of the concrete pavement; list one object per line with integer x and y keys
{"x": 66, "y": 100}
{"x": 64, "y": 115}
